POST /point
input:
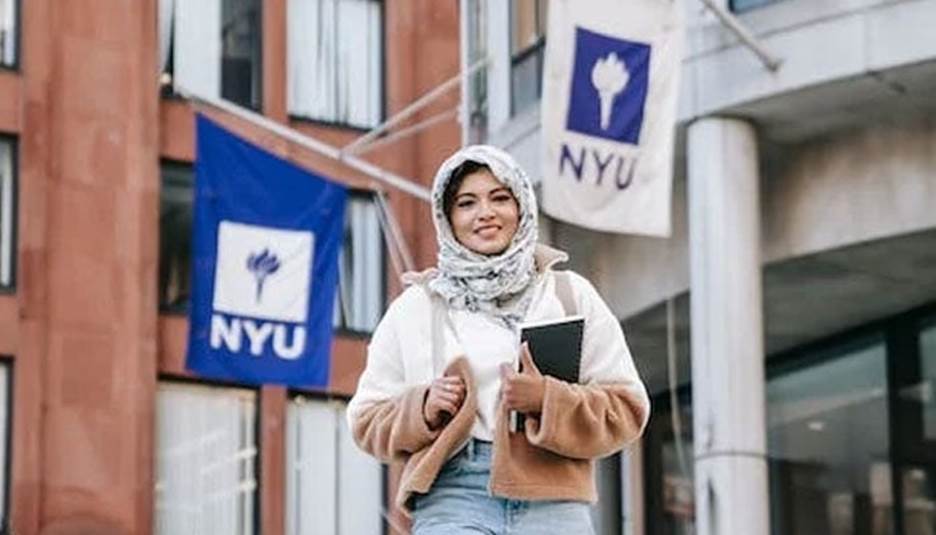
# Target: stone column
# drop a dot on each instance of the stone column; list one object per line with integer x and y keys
{"x": 90, "y": 132}
{"x": 727, "y": 329}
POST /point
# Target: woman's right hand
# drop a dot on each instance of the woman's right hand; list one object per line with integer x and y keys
{"x": 443, "y": 399}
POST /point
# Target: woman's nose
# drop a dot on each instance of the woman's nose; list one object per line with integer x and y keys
{"x": 486, "y": 210}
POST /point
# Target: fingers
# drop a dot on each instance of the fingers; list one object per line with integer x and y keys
{"x": 526, "y": 359}
{"x": 446, "y": 394}
{"x": 450, "y": 385}
{"x": 445, "y": 405}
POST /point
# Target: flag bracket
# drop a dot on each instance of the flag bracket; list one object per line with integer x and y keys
{"x": 771, "y": 62}
{"x": 382, "y": 175}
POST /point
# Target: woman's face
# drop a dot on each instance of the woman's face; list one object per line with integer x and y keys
{"x": 484, "y": 214}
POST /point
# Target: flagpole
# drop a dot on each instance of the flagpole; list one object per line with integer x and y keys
{"x": 391, "y": 179}
{"x": 413, "y": 108}
{"x": 731, "y": 22}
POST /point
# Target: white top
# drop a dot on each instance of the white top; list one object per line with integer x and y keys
{"x": 399, "y": 355}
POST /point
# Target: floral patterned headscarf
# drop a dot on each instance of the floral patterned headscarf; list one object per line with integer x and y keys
{"x": 499, "y": 284}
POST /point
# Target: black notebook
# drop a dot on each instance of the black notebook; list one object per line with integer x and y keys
{"x": 556, "y": 347}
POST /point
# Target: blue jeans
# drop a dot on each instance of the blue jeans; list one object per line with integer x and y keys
{"x": 459, "y": 503}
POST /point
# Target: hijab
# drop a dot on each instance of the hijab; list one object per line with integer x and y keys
{"x": 500, "y": 284}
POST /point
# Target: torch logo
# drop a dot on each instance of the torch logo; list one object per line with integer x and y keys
{"x": 262, "y": 265}
{"x": 609, "y": 87}
{"x": 609, "y": 76}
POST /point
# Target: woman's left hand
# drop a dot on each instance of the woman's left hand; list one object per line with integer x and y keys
{"x": 524, "y": 391}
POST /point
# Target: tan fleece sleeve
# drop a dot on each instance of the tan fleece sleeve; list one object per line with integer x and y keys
{"x": 588, "y": 421}
{"x": 391, "y": 430}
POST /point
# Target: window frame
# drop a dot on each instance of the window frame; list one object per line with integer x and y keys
{"x": 257, "y": 436}
{"x": 362, "y": 129}
{"x": 18, "y": 40}
{"x": 168, "y": 92}
{"x": 537, "y": 48}
{"x": 13, "y": 142}
{"x": 292, "y": 395}
{"x": 7, "y": 361}
{"x": 342, "y": 329}
{"x": 164, "y": 308}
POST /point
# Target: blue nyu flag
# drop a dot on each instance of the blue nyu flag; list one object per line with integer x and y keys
{"x": 266, "y": 241}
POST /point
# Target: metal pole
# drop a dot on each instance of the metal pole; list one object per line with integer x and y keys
{"x": 732, "y": 23}
{"x": 464, "y": 41}
{"x": 414, "y": 107}
{"x": 369, "y": 169}
{"x": 410, "y": 130}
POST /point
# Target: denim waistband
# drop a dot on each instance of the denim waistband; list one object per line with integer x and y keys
{"x": 475, "y": 448}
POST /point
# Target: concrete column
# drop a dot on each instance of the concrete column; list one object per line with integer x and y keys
{"x": 727, "y": 329}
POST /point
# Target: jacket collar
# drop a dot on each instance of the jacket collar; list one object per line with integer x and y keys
{"x": 546, "y": 257}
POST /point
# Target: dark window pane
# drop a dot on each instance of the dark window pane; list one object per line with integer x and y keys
{"x": 175, "y": 235}
{"x": 828, "y": 446}
{"x": 8, "y": 32}
{"x": 669, "y": 470}
{"x": 527, "y": 44}
{"x": 240, "y": 52}
{"x": 926, "y": 388}
{"x": 742, "y": 5}
{"x": 526, "y": 81}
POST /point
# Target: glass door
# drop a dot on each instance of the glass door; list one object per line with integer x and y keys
{"x": 915, "y": 364}
{"x": 827, "y": 432}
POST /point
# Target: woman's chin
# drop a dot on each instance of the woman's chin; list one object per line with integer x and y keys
{"x": 488, "y": 248}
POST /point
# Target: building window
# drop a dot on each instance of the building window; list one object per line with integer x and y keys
{"x": 5, "y": 411}
{"x": 176, "y": 198}
{"x": 925, "y": 386}
{"x": 335, "y": 51}
{"x": 744, "y": 5}
{"x": 527, "y": 46}
{"x": 668, "y": 462}
{"x": 331, "y": 486}
{"x": 851, "y": 437}
{"x": 828, "y": 443}
{"x": 916, "y": 443}
{"x": 212, "y": 48}
{"x": 361, "y": 291}
{"x": 205, "y": 460}
{"x": 7, "y": 213}
{"x": 9, "y": 22}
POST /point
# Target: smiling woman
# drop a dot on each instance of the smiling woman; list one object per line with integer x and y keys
{"x": 439, "y": 382}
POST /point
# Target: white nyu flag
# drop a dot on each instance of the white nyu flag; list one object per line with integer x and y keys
{"x": 609, "y": 111}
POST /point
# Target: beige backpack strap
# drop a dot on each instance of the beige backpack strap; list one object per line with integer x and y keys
{"x": 564, "y": 292}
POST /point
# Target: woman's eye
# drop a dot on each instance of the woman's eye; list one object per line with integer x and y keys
{"x": 465, "y": 203}
{"x": 502, "y": 198}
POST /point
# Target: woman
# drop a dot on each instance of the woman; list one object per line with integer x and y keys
{"x": 440, "y": 383}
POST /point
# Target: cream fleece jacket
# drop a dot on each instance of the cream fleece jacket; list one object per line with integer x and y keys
{"x": 602, "y": 414}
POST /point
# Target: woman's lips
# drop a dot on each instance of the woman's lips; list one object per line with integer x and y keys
{"x": 488, "y": 231}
